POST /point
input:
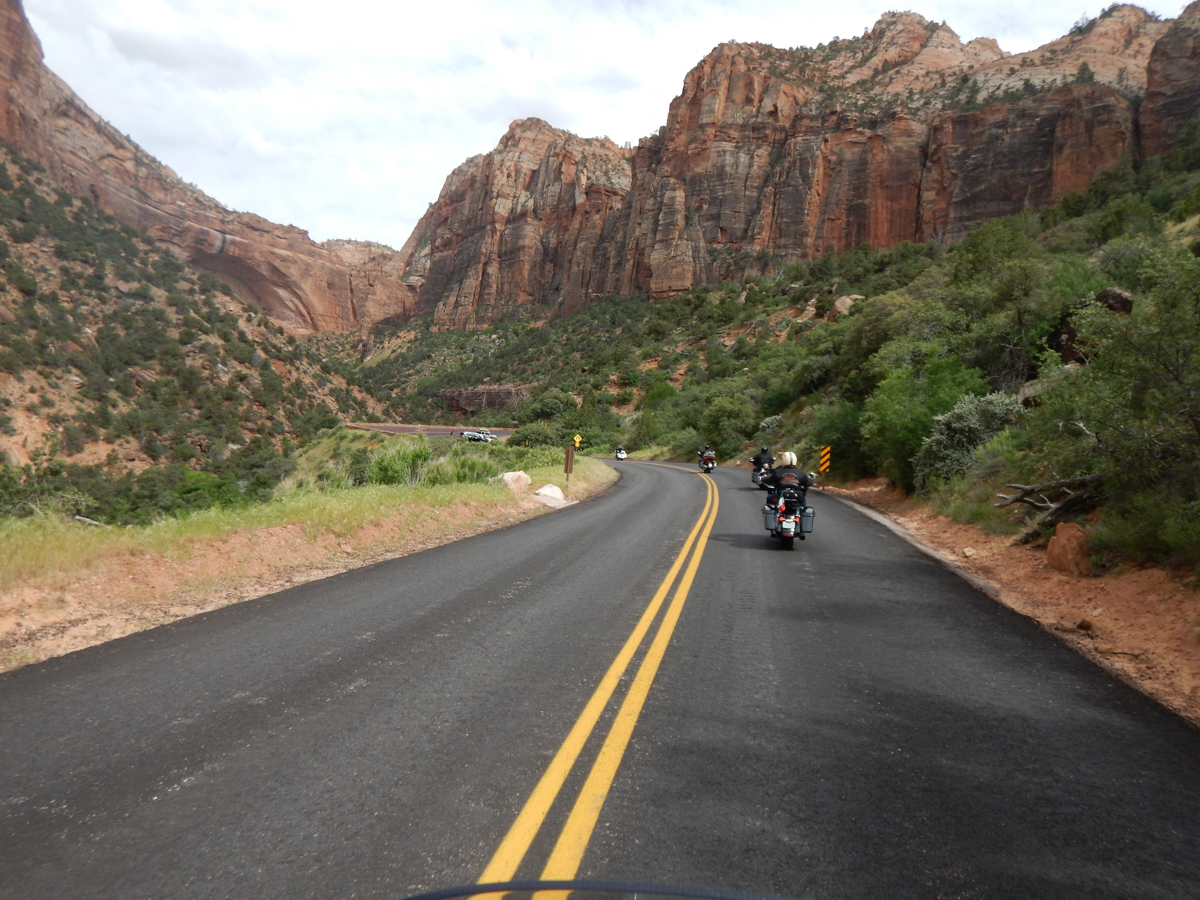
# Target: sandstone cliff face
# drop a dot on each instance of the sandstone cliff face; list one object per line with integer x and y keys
{"x": 509, "y": 227}
{"x": 1173, "y": 83}
{"x": 903, "y": 134}
{"x": 767, "y": 155}
{"x": 275, "y": 267}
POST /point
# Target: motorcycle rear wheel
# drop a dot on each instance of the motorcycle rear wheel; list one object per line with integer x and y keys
{"x": 788, "y": 542}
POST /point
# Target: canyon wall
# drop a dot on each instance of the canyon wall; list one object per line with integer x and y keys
{"x": 769, "y": 156}
{"x": 905, "y": 133}
{"x": 277, "y": 268}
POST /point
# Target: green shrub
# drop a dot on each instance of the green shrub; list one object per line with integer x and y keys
{"x": 898, "y": 416}
{"x": 400, "y": 463}
{"x": 955, "y": 436}
{"x": 727, "y": 423}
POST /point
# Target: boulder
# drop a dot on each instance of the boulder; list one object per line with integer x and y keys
{"x": 1067, "y": 551}
{"x": 841, "y": 306}
{"x": 516, "y": 481}
{"x": 553, "y": 491}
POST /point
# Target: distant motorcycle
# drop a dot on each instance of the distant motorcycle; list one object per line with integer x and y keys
{"x": 621, "y": 454}
{"x": 708, "y": 461}
{"x": 788, "y": 516}
{"x": 759, "y": 476}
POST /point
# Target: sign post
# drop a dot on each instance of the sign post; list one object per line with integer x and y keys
{"x": 569, "y": 464}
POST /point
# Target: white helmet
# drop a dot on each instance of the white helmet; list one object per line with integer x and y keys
{"x": 787, "y": 458}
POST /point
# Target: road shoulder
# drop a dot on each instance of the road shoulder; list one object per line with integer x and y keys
{"x": 1140, "y": 625}
{"x": 44, "y": 617}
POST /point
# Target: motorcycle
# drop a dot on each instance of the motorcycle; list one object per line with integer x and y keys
{"x": 788, "y": 516}
{"x": 621, "y": 454}
{"x": 708, "y": 463}
{"x": 759, "y": 476}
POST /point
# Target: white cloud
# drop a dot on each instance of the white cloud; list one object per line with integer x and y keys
{"x": 345, "y": 118}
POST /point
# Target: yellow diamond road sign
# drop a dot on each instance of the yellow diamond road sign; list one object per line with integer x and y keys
{"x": 578, "y": 438}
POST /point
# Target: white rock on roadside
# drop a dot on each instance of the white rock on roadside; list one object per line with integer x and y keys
{"x": 516, "y": 481}
{"x": 553, "y": 491}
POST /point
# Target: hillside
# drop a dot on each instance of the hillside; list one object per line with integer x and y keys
{"x": 131, "y": 384}
{"x": 906, "y": 360}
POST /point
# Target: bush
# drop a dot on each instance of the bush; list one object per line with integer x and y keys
{"x": 897, "y": 417}
{"x": 400, "y": 463}
{"x": 950, "y": 448}
{"x": 461, "y": 470}
{"x": 727, "y": 423}
{"x": 838, "y": 426}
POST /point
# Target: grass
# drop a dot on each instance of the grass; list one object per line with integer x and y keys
{"x": 48, "y": 546}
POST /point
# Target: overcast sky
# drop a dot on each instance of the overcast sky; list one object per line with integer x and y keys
{"x": 344, "y": 117}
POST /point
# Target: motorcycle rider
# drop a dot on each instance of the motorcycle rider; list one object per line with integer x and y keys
{"x": 762, "y": 459}
{"x": 787, "y": 475}
{"x": 706, "y": 454}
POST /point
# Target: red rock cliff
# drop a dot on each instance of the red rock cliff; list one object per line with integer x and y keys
{"x": 903, "y": 134}
{"x": 1172, "y": 83}
{"x": 277, "y": 268}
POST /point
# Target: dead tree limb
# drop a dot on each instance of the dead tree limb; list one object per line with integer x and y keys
{"x": 1053, "y": 498}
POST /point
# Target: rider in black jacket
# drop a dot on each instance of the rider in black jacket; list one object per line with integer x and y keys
{"x": 787, "y": 475}
{"x": 763, "y": 458}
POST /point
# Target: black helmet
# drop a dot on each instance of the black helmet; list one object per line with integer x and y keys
{"x": 706, "y": 446}
{"x": 764, "y": 449}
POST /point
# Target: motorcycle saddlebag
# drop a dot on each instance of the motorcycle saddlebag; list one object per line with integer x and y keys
{"x": 769, "y": 517}
{"x": 806, "y": 519}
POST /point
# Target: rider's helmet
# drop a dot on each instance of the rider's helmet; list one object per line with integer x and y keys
{"x": 787, "y": 458}
{"x": 764, "y": 450}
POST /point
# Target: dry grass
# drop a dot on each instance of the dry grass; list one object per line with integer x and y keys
{"x": 49, "y": 547}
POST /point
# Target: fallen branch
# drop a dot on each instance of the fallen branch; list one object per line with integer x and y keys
{"x": 1069, "y": 486}
{"x": 1054, "y": 498}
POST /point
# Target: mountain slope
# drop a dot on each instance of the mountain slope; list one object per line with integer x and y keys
{"x": 275, "y": 268}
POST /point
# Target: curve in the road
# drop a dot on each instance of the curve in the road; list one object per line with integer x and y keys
{"x": 572, "y": 842}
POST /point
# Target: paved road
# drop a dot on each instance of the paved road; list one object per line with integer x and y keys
{"x": 427, "y": 430}
{"x": 843, "y": 720}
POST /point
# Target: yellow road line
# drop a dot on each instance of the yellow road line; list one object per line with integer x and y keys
{"x": 512, "y": 849}
{"x": 572, "y": 842}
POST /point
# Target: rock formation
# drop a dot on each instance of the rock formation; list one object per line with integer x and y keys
{"x": 1172, "y": 83}
{"x": 488, "y": 396}
{"x": 767, "y": 156}
{"x": 903, "y": 134}
{"x": 277, "y": 268}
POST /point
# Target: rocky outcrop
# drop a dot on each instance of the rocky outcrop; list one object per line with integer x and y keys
{"x": 488, "y": 396}
{"x": 905, "y": 133}
{"x": 769, "y": 156}
{"x": 511, "y": 228}
{"x": 276, "y": 268}
{"x": 1172, "y": 83}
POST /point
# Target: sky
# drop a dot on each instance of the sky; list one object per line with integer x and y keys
{"x": 344, "y": 117}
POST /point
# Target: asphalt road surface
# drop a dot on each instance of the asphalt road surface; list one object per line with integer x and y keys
{"x": 642, "y": 687}
{"x": 427, "y": 430}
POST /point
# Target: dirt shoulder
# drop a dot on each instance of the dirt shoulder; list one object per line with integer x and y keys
{"x": 46, "y": 617}
{"x": 1143, "y": 624}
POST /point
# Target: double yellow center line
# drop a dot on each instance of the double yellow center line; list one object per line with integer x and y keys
{"x": 573, "y": 840}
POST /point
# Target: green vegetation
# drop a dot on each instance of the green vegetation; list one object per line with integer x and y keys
{"x": 122, "y": 345}
{"x": 917, "y": 381}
